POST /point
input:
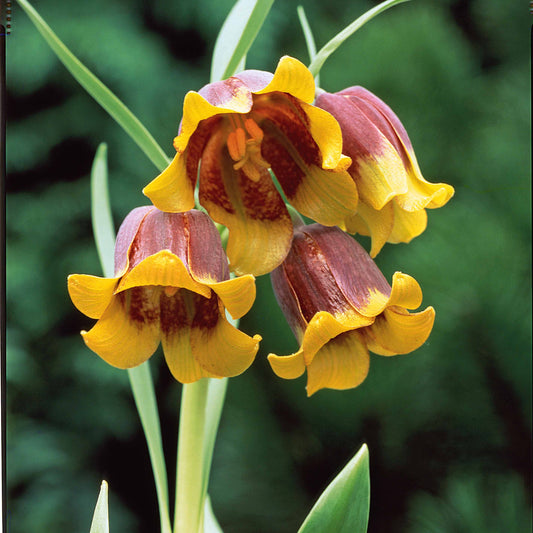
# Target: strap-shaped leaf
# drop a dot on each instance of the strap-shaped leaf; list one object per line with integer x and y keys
{"x": 129, "y": 122}
{"x": 237, "y": 35}
{"x": 103, "y": 228}
{"x": 100, "y": 522}
{"x": 343, "y": 507}
{"x": 333, "y": 44}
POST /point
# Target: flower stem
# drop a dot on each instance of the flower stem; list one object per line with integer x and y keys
{"x": 201, "y": 407}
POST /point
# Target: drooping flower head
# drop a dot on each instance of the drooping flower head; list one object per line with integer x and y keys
{"x": 339, "y": 305}
{"x": 231, "y": 134}
{"x": 172, "y": 286}
{"x": 393, "y": 195}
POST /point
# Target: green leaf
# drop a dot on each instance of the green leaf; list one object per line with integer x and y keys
{"x": 142, "y": 387}
{"x": 103, "y": 228}
{"x": 309, "y": 38}
{"x": 100, "y": 523}
{"x": 343, "y": 507}
{"x": 211, "y": 524}
{"x": 333, "y": 44}
{"x": 99, "y": 91}
{"x": 237, "y": 35}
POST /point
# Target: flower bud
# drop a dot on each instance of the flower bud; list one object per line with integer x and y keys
{"x": 393, "y": 194}
{"x": 339, "y": 305}
{"x": 172, "y": 286}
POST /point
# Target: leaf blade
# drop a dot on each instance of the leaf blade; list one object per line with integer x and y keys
{"x": 109, "y": 101}
{"x": 344, "y": 506}
{"x": 334, "y": 43}
{"x": 100, "y": 521}
{"x": 237, "y": 35}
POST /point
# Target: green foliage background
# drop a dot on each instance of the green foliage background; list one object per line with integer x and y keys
{"x": 448, "y": 427}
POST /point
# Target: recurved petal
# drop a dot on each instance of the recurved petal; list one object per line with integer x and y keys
{"x": 173, "y": 190}
{"x": 119, "y": 339}
{"x": 293, "y": 77}
{"x": 423, "y": 194}
{"x": 287, "y": 366}
{"x": 397, "y": 331}
{"x": 406, "y": 291}
{"x": 369, "y": 221}
{"x": 327, "y": 134}
{"x": 217, "y": 346}
{"x": 227, "y": 96}
{"x": 91, "y": 294}
{"x": 162, "y": 269}
{"x": 342, "y": 363}
{"x": 323, "y": 327}
{"x": 407, "y": 224}
{"x": 237, "y": 294}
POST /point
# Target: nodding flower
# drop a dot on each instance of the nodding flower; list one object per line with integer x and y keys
{"x": 171, "y": 285}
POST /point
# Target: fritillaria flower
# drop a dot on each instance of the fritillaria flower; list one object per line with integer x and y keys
{"x": 232, "y": 135}
{"x": 393, "y": 195}
{"x": 172, "y": 286}
{"x": 339, "y": 306}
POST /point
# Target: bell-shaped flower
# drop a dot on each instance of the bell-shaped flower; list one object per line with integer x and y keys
{"x": 172, "y": 286}
{"x": 339, "y": 306}
{"x": 393, "y": 194}
{"x": 233, "y": 134}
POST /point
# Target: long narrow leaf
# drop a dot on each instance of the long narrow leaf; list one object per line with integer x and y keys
{"x": 99, "y": 91}
{"x": 142, "y": 387}
{"x": 140, "y": 378}
{"x": 344, "y": 506}
{"x": 103, "y": 228}
{"x": 237, "y": 35}
{"x": 309, "y": 38}
{"x": 100, "y": 522}
{"x": 333, "y": 44}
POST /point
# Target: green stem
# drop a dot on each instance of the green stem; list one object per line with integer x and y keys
{"x": 143, "y": 392}
{"x": 190, "y": 463}
{"x": 333, "y": 44}
{"x": 201, "y": 408}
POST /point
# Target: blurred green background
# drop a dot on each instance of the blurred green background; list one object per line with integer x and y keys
{"x": 448, "y": 427}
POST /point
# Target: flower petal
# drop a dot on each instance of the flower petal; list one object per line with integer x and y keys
{"x": 176, "y": 339}
{"x": 406, "y": 291}
{"x": 397, "y": 331}
{"x": 293, "y": 77}
{"x": 407, "y": 224}
{"x": 260, "y": 228}
{"x": 237, "y": 294}
{"x": 217, "y": 346}
{"x": 173, "y": 189}
{"x": 91, "y": 294}
{"x": 123, "y": 340}
{"x": 126, "y": 235}
{"x": 287, "y": 366}
{"x": 323, "y": 327}
{"x": 163, "y": 269}
{"x": 369, "y": 221}
{"x": 341, "y": 364}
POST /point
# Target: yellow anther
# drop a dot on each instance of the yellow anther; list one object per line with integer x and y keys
{"x": 253, "y": 129}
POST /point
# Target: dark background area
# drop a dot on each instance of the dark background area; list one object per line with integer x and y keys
{"x": 448, "y": 427}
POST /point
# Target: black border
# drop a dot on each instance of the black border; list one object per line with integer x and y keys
{"x": 3, "y": 275}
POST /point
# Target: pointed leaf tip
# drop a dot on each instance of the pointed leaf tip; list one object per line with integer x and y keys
{"x": 344, "y": 506}
{"x": 100, "y": 523}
